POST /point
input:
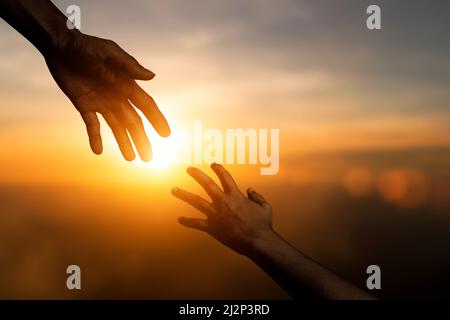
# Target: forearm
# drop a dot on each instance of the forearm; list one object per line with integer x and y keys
{"x": 38, "y": 21}
{"x": 299, "y": 275}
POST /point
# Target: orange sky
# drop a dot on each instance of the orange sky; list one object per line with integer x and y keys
{"x": 320, "y": 103}
{"x": 364, "y": 148}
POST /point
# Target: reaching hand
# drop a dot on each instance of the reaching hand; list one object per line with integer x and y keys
{"x": 245, "y": 225}
{"x": 234, "y": 219}
{"x": 99, "y": 77}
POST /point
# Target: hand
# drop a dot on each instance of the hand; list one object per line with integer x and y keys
{"x": 98, "y": 77}
{"x": 234, "y": 219}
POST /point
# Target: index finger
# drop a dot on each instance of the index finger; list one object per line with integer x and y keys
{"x": 147, "y": 105}
{"x": 208, "y": 184}
{"x": 227, "y": 181}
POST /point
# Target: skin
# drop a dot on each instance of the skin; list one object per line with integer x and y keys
{"x": 95, "y": 74}
{"x": 244, "y": 224}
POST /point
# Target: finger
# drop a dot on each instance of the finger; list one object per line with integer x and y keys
{"x": 93, "y": 130}
{"x": 225, "y": 178}
{"x": 207, "y": 183}
{"x": 194, "y": 200}
{"x": 137, "y": 132}
{"x": 121, "y": 61}
{"x": 194, "y": 223}
{"x": 147, "y": 105}
{"x": 256, "y": 197}
{"x": 121, "y": 135}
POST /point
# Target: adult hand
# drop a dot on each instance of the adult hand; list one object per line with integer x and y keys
{"x": 99, "y": 77}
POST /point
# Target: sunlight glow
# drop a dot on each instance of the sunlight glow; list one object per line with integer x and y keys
{"x": 166, "y": 151}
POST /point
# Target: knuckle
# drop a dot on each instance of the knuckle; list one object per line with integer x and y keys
{"x": 107, "y": 113}
{"x": 221, "y": 205}
{"x": 126, "y": 86}
{"x": 111, "y": 43}
{"x": 211, "y": 185}
{"x": 110, "y": 76}
{"x": 135, "y": 121}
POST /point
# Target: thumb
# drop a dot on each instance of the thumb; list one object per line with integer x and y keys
{"x": 128, "y": 65}
{"x": 256, "y": 197}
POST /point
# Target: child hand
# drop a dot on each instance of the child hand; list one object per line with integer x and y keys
{"x": 235, "y": 220}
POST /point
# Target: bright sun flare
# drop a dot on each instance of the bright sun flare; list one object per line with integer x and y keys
{"x": 166, "y": 150}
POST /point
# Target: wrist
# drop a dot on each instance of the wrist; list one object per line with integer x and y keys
{"x": 263, "y": 244}
{"x": 60, "y": 39}
{"x": 51, "y": 33}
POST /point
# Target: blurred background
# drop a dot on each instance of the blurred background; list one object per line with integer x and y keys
{"x": 364, "y": 119}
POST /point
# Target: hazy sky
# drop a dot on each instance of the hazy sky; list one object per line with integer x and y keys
{"x": 348, "y": 102}
{"x": 310, "y": 68}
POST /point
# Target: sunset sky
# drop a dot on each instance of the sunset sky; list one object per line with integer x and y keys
{"x": 368, "y": 111}
{"x": 309, "y": 68}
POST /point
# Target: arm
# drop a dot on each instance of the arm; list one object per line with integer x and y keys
{"x": 298, "y": 274}
{"x": 95, "y": 74}
{"x": 40, "y": 22}
{"x": 245, "y": 225}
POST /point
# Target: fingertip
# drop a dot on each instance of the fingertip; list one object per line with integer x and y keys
{"x": 127, "y": 152}
{"x": 161, "y": 126}
{"x": 174, "y": 190}
{"x": 96, "y": 146}
{"x": 129, "y": 157}
{"x": 165, "y": 132}
{"x": 95, "y": 139}
{"x": 216, "y": 165}
{"x": 150, "y": 74}
{"x": 146, "y": 156}
{"x": 144, "y": 74}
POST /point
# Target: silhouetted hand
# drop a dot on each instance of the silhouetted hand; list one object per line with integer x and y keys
{"x": 98, "y": 77}
{"x": 234, "y": 219}
{"x": 245, "y": 225}
{"x": 96, "y": 74}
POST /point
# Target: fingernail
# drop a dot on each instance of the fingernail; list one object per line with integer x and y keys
{"x": 175, "y": 189}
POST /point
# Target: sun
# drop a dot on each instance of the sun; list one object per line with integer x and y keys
{"x": 162, "y": 158}
{"x": 166, "y": 151}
